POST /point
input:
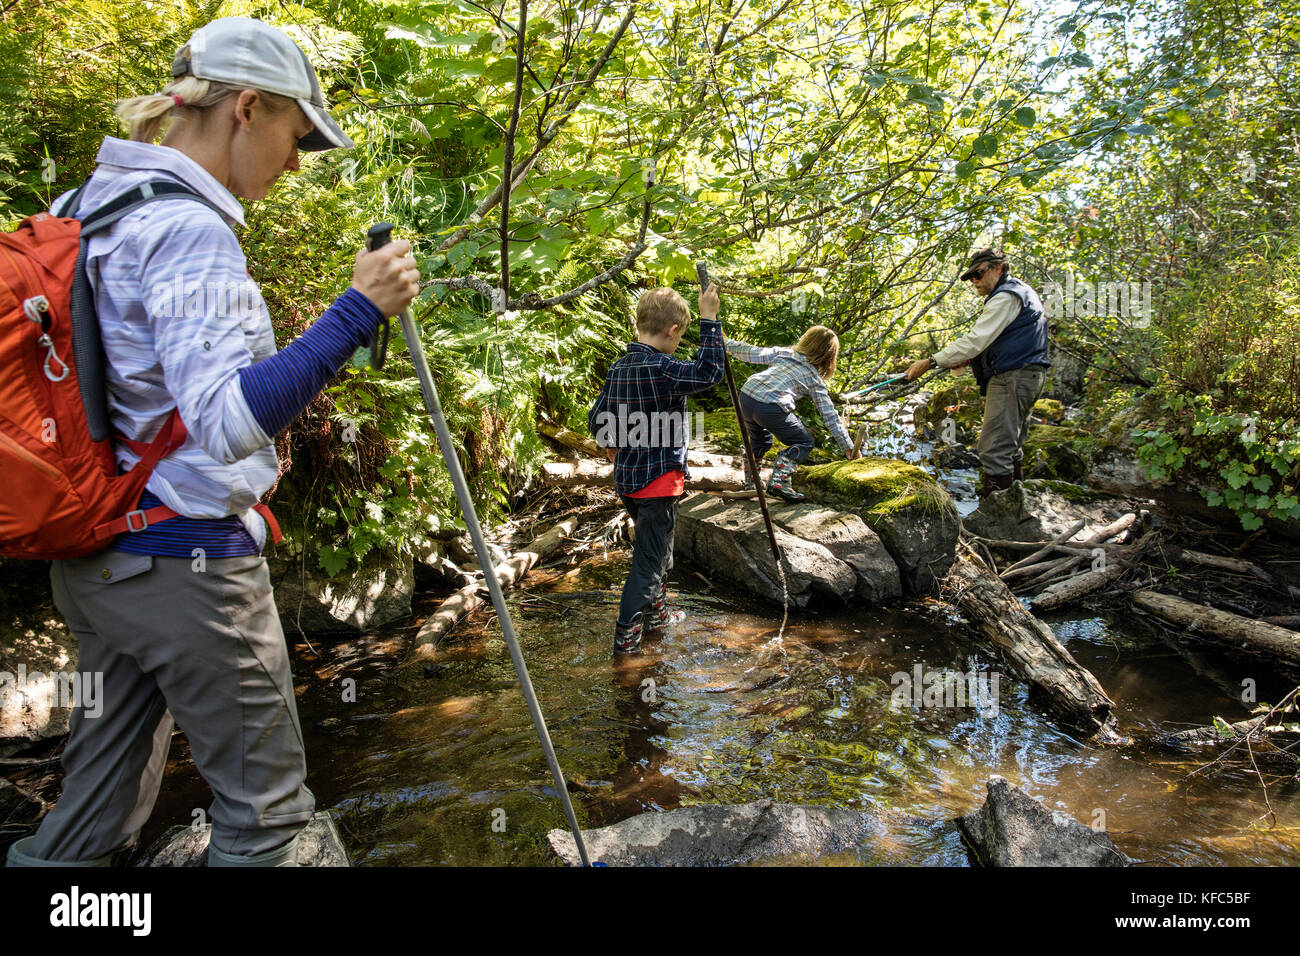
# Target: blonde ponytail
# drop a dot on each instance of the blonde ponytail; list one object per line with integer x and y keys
{"x": 147, "y": 116}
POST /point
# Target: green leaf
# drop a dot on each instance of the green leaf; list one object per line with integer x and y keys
{"x": 1026, "y": 116}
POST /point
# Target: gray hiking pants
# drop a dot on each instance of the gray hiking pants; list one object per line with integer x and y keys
{"x": 205, "y": 646}
{"x": 1008, "y": 404}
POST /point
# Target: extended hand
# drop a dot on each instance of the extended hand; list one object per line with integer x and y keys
{"x": 387, "y": 277}
{"x": 709, "y": 302}
{"x": 917, "y": 369}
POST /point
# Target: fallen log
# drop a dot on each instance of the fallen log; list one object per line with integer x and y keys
{"x": 1221, "y": 563}
{"x": 1223, "y": 625}
{"x": 1032, "y": 650}
{"x": 508, "y": 573}
{"x": 1075, "y": 587}
{"x": 590, "y": 474}
{"x": 1050, "y": 569}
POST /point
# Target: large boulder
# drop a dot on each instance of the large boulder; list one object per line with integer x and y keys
{"x": 1014, "y": 829}
{"x": 842, "y": 558}
{"x": 318, "y": 845}
{"x": 377, "y": 593}
{"x": 916, "y": 519}
{"x": 711, "y": 835}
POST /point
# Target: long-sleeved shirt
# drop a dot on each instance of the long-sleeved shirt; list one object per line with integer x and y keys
{"x": 184, "y": 326}
{"x": 641, "y": 410}
{"x": 1000, "y": 310}
{"x": 789, "y": 377}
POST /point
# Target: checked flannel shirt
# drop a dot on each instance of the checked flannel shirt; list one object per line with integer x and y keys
{"x": 790, "y": 376}
{"x": 647, "y": 381}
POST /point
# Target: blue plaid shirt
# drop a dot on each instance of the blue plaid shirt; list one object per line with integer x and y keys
{"x": 790, "y": 376}
{"x": 646, "y": 382}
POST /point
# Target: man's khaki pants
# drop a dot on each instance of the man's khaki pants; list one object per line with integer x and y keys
{"x": 198, "y": 640}
{"x": 1008, "y": 403}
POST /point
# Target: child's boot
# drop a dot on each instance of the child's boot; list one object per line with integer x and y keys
{"x": 627, "y": 638}
{"x": 780, "y": 482}
{"x": 659, "y": 617}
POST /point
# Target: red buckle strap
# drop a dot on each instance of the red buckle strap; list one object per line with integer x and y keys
{"x": 133, "y": 521}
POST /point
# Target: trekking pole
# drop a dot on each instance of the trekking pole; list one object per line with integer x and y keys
{"x": 380, "y": 235}
{"x": 702, "y": 273}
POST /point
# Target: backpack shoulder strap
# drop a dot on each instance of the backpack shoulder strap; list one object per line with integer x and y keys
{"x": 87, "y": 346}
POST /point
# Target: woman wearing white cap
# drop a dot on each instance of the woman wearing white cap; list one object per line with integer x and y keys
{"x": 178, "y": 614}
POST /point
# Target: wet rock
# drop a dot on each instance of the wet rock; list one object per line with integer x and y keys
{"x": 1050, "y": 453}
{"x": 711, "y": 835}
{"x": 1005, "y": 515}
{"x": 914, "y": 517}
{"x": 1014, "y": 829}
{"x": 358, "y": 599}
{"x": 35, "y": 646}
{"x": 729, "y": 538}
{"x": 318, "y": 845}
{"x": 846, "y": 537}
{"x": 954, "y": 456}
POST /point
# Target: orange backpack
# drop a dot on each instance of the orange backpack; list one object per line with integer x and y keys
{"x": 63, "y": 497}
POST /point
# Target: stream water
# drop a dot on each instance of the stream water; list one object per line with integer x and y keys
{"x": 444, "y": 768}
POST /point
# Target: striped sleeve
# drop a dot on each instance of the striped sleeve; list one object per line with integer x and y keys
{"x": 753, "y": 354}
{"x": 278, "y": 388}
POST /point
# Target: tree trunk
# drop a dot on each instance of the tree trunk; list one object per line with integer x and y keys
{"x": 1223, "y": 625}
{"x": 1033, "y": 651}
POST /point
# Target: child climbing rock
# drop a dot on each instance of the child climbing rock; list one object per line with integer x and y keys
{"x": 640, "y": 419}
{"x": 767, "y": 401}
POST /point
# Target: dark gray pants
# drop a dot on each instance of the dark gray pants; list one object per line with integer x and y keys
{"x": 203, "y": 645}
{"x": 652, "y": 554}
{"x": 1008, "y": 403}
{"x": 765, "y": 419}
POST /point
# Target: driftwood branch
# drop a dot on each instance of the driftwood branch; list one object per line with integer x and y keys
{"x": 508, "y": 573}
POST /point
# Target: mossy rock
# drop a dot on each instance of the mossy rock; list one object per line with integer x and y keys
{"x": 914, "y": 517}
{"x": 1067, "y": 490}
{"x": 1051, "y": 451}
{"x": 1050, "y": 410}
{"x": 962, "y": 403}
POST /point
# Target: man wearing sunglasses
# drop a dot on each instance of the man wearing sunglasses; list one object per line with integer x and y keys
{"x": 1007, "y": 351}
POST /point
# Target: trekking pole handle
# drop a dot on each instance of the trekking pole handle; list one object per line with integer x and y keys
{"x": 378, "y": 236}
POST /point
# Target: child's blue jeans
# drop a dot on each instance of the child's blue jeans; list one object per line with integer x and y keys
{"x": 765, "y": 419}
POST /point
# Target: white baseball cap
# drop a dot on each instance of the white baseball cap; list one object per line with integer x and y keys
{"x": 250, "y": 53}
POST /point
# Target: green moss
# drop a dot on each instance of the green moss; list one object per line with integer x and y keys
{"x": 961, "y": 402}
{"x": 1066, "y": 489}
{"x": 1049, "y": 410}
{"x": 1053, "y": 451}
{"x": 721, "y": 429}
{"x": 874, "y": 486}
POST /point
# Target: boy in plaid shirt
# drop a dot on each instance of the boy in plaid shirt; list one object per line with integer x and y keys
{"x": 640, "y": 421}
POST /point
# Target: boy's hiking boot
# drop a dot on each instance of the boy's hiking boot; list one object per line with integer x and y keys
{"x": 780, "y": 482}
{"x": 659, "y": 617}
{"x": 750, "y": 482}
{"x": 627, "y": 638}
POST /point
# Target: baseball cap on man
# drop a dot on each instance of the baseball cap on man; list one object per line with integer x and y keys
{"x": 253, "y": 54}
{"x": 993, "y": 256}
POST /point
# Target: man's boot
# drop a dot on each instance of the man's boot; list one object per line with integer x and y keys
{"x": 627, "y": 638}
{"x": 284, "y": 855}
{"x": 991, "y": 483}
{"x": 780, "y": 485}
{"x": 18, "y": 856}
{"x": 1018, "y": 470}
